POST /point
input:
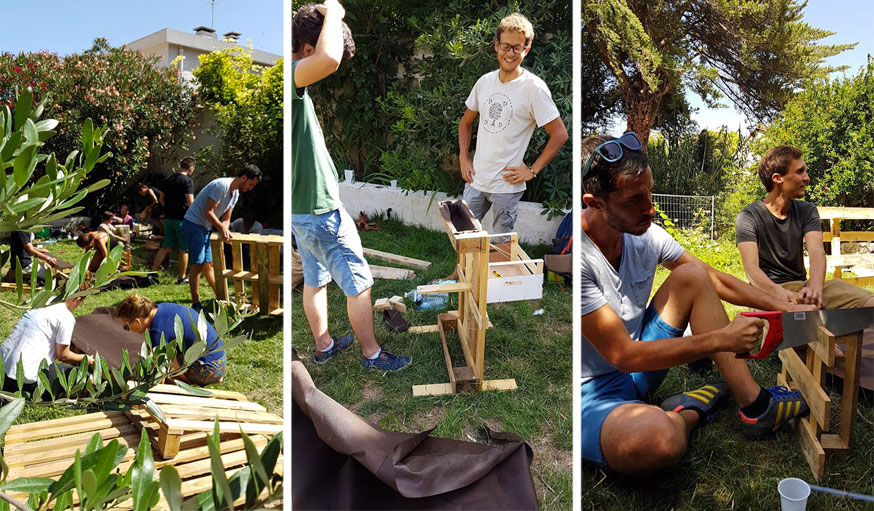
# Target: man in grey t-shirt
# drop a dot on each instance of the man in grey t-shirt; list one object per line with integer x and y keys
{"x": 628, "y": 346}
{"x": 772, "y": 232}
{"x": 210, "y": 210}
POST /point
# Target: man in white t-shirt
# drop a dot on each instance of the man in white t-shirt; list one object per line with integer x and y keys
{"x": 212, "y": 209}
{"x": 511, "y": 102}
{"x": 41, "y": 334}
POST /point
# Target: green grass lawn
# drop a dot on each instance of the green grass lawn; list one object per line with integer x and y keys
{"x": 535, "y": 350}
{"x": 254, "y": 367}
{"x": 721, "y": 469}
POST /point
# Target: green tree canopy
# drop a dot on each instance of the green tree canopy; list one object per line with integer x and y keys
{"x": 757, "y": 54}
{"x": 832, "y": 122}
{"x": 143, "y": 108}
{"x": 247, "y": 101}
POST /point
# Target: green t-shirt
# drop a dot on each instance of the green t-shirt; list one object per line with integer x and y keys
{"x": 314, "y": 183}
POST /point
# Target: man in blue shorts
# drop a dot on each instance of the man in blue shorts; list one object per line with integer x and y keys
{"x": 628, "y": 347}
{"x": 329, "y": 246}
{"x": 211, "y": 210}
{"x": 178, "y": 194}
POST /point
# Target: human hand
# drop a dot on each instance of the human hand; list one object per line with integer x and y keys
{"x": 467, "y": 172}
{"x": 801, "y": 307}
{"x": 517, "y": 175}
{"x": 333, "y": 6}
{"x": 784, "y": 295}
{"x": 52, "y": 260}
{"x": 225, "y": 234}
{"x": 810, "y": 295}
{"x": 743, "y": 334}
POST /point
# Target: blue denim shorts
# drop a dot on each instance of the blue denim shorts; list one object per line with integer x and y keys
{"x": 329, "y": 249}
{"x": 197, "y": 239}
{"x": 603, "y": 393}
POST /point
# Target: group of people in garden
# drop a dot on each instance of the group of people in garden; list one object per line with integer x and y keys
{"x": 629, "y": 341}
{"x": 45, "y": 334}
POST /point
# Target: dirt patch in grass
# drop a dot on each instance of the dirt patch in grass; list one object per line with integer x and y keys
{"x": 548, "y": 459}
{"x": 427, "y": 418}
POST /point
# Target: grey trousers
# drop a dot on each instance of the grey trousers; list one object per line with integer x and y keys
{"x": 505, "y": 209}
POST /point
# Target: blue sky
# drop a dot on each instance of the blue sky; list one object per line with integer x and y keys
{"x": 853, "y": 20}
{"x": 70, "y": 26}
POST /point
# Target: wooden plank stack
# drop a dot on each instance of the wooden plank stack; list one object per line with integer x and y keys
{"x": 47, "y": 448}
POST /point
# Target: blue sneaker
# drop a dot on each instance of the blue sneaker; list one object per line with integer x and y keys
{"x": 784, "y": 405}
{"x": 340, "y": 344}
{"x": 386, "y": 362}
{"x": 704, "y": 401}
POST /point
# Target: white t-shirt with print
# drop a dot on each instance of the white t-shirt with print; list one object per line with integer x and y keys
{"x": 508, "y": 114}
{"x": 34, "y": 338}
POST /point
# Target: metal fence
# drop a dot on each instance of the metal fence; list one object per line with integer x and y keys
{"x": 687, "y": 211}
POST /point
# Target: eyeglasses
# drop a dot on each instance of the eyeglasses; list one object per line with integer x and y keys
{"x": 611, "y": 151}
{"x": 516, "y": 49}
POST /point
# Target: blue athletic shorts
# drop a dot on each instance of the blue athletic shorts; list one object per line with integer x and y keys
{"x": 330, "y": 248}
{"x": 197, "y": 238}
{"x": 600, "y": 395}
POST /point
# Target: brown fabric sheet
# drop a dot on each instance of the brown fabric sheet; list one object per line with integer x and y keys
{"x": 342, "y": 461}
{"x": 99, "y": 332}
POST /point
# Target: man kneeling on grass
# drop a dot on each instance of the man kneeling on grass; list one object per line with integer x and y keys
{"x": 628, "y": 346}
{"x": 42, "y": 334}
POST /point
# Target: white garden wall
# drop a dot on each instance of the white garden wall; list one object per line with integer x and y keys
{"x": 412, "y": 209}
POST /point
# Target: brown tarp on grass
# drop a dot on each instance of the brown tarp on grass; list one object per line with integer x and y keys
{"x": 341, "y": 461}
{"x": 99, "y": 332}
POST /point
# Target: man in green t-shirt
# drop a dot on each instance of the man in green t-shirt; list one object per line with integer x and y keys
{"x": 327, "y": 240}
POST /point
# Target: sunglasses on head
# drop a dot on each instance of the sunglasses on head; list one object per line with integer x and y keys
{"x": 611, "y": 151}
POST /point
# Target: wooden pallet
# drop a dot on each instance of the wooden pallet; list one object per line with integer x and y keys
{"x": 46, "y": 448}
{"x": 808, "y": 377}
{"x": 261, "y": 284}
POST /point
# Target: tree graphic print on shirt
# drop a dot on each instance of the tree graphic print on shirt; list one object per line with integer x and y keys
{"x": 499, "y": 113}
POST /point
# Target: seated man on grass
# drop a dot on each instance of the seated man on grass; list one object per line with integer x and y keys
{"x": 628, "y": 346}
{"x": 23, "y": 251}
{"x": 772, "y": 232}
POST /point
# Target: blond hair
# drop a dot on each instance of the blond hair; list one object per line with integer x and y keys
{"x": 516, "y": 23}
{"x": 133, "y": 307}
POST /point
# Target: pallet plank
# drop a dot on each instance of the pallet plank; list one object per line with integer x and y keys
{"x": 397, "y": 259}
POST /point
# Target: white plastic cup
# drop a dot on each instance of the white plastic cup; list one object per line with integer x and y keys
{"x": 350, "y": 176}
{"x": 394, "y": 184}
{"x": 793, "y": 494}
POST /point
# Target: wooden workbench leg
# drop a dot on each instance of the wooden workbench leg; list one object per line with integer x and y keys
{"x": 850, "y": 395}
{"x": 218, "y": 268}
{"x": 237, "y": 266}
{"x": 275, "y": 289}
{"x": 263, "y": 278}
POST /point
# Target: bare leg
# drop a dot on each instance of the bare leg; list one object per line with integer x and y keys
{"x": 315, "y": 306}
{"x": 209, "y": 273}
{"x": 360, "y": 311}
{"x": 677, "y": 304}
{"x": 642, "y": 438}
{"x": 159, "y": 258}
{"x": 194, "y": 282}
{"x": 183, "y": 263}
{"x": 870, "y": 302}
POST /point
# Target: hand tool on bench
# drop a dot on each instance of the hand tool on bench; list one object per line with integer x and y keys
{"x": 790, "y": 329}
